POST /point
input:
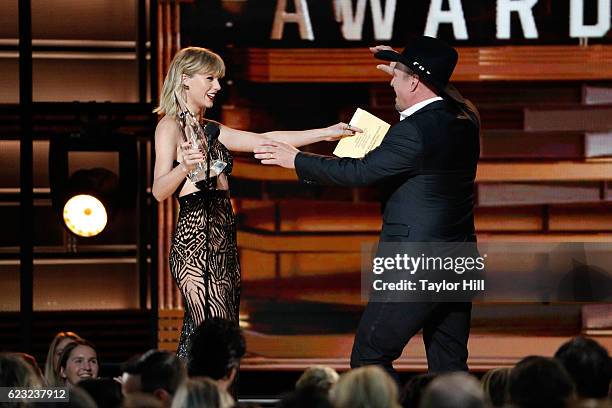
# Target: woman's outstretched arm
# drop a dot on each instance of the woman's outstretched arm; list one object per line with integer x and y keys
{"x": 245, "y": 141}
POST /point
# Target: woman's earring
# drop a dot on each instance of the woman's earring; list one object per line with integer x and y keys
{"x": 185, "y": 86}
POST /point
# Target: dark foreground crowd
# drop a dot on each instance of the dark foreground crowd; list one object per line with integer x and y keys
{"x": 579, "y": 375}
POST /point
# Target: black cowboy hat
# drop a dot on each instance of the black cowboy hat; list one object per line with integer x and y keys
{"x": 432, "y": 60}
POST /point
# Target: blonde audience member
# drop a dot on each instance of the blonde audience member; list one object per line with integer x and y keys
{"x": 495, "y": 386}
{"x": 78, "y": 362}
{"x": 320, "y": 378}
{"x": 201, "y": 392}
{"x": 365, "y": 387}
{"x": 59, "y": 342}
{"x": 453, "y": 390}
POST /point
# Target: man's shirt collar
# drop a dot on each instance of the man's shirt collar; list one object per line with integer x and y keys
{"x": 407, "y": 112}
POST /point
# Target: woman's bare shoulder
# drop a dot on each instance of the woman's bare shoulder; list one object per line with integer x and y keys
{"x": 167, "y": 126}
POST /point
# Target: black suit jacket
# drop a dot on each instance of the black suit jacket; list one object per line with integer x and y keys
{"x": 425, "y": 166}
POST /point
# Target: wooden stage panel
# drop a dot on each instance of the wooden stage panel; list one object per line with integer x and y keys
{"x": 595, "y": 218}
{"x": 590, "y": 170}
{"x": 301, "y": 216}
{"x": 315, "y": 264}
{"x": 338, "y": 216}
{"x": 355, "y": 65}
{"x": 508, "y": 219}
{"x": 256, "y": 265}
{"x": 586, "y": 118}
{"x": 276, "y": 352}
{"x": 486, "y": 351}
{"x": 507, "y": 194}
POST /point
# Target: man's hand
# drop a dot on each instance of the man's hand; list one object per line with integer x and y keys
{"x": 378, "y": 48}
{"x": 388, "y": 69}
{"x": 278, "y": 153}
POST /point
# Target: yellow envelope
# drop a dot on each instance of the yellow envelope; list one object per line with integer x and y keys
{"x": 374, "y": 130}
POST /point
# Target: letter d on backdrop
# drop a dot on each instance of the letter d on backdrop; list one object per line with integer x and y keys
{"x": 580, "y": 30}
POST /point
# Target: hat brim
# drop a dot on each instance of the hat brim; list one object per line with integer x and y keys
{"x": 448, "y": 90}
{"x": 390, "y": 55}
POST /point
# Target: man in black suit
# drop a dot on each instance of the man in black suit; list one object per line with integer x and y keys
{"x": 425, "y": 167}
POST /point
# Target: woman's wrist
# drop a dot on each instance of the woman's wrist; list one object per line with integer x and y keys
{"x": 183, "y": 169}
{"x": 322, "y": 134}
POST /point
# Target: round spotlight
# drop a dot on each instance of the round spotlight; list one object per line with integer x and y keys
{"x": 85, "y": 215}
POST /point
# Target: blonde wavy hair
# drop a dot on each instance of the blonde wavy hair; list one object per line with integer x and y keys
{"x": 201, "y": 392}
{"x": 365, "y": 387}
{"x": 318, "y": 377}
{"x": 188, "y": 61}
{"x": 51, "y": 371}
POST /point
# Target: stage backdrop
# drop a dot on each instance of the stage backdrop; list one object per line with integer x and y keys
{"x": 347, "y": 23}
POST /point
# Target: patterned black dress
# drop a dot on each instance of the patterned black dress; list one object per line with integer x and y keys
{"x": 218, "y": 294}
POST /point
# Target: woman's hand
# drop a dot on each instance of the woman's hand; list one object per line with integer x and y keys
{"x": 191, "y": 157}
{"x": 339, "y": 131}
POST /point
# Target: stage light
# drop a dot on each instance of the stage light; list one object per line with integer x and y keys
{"x": 91, "y": 196}
{"x": 96, "y": 163}
{"x": 85, "y": 215}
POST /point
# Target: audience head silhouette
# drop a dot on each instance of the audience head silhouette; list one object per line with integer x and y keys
{"x": 217, "y": 345}
{"x": 201, "y": 392}
{"x": 305, "y": 397}
{"x": 16, "y": 372}
{"x": 540, "y": 382}
{"x": 454, "y": 390}
{"x": 106, "y": 392}
{"x": 161, "y": 373}
{"x": 320, "y": 378}
{"x": 589, "y": 365}
{"x": 414, "y": 389}
{"x": 495, "y": 386}
{"x": 365, "y": 387}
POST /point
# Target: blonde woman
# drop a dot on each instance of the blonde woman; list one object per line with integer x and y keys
{"x": 201, "y": 392}
{"x": 56, "y": 348}
{"x": 320, "y": 378}
{"x": 365, "y": 387}
{"x": 194, "y": 76}
{"x": 495, "y": 386}
{"x": 79, "y": 361}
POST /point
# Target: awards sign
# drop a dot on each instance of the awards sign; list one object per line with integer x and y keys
{"x": 345, "y": 23}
